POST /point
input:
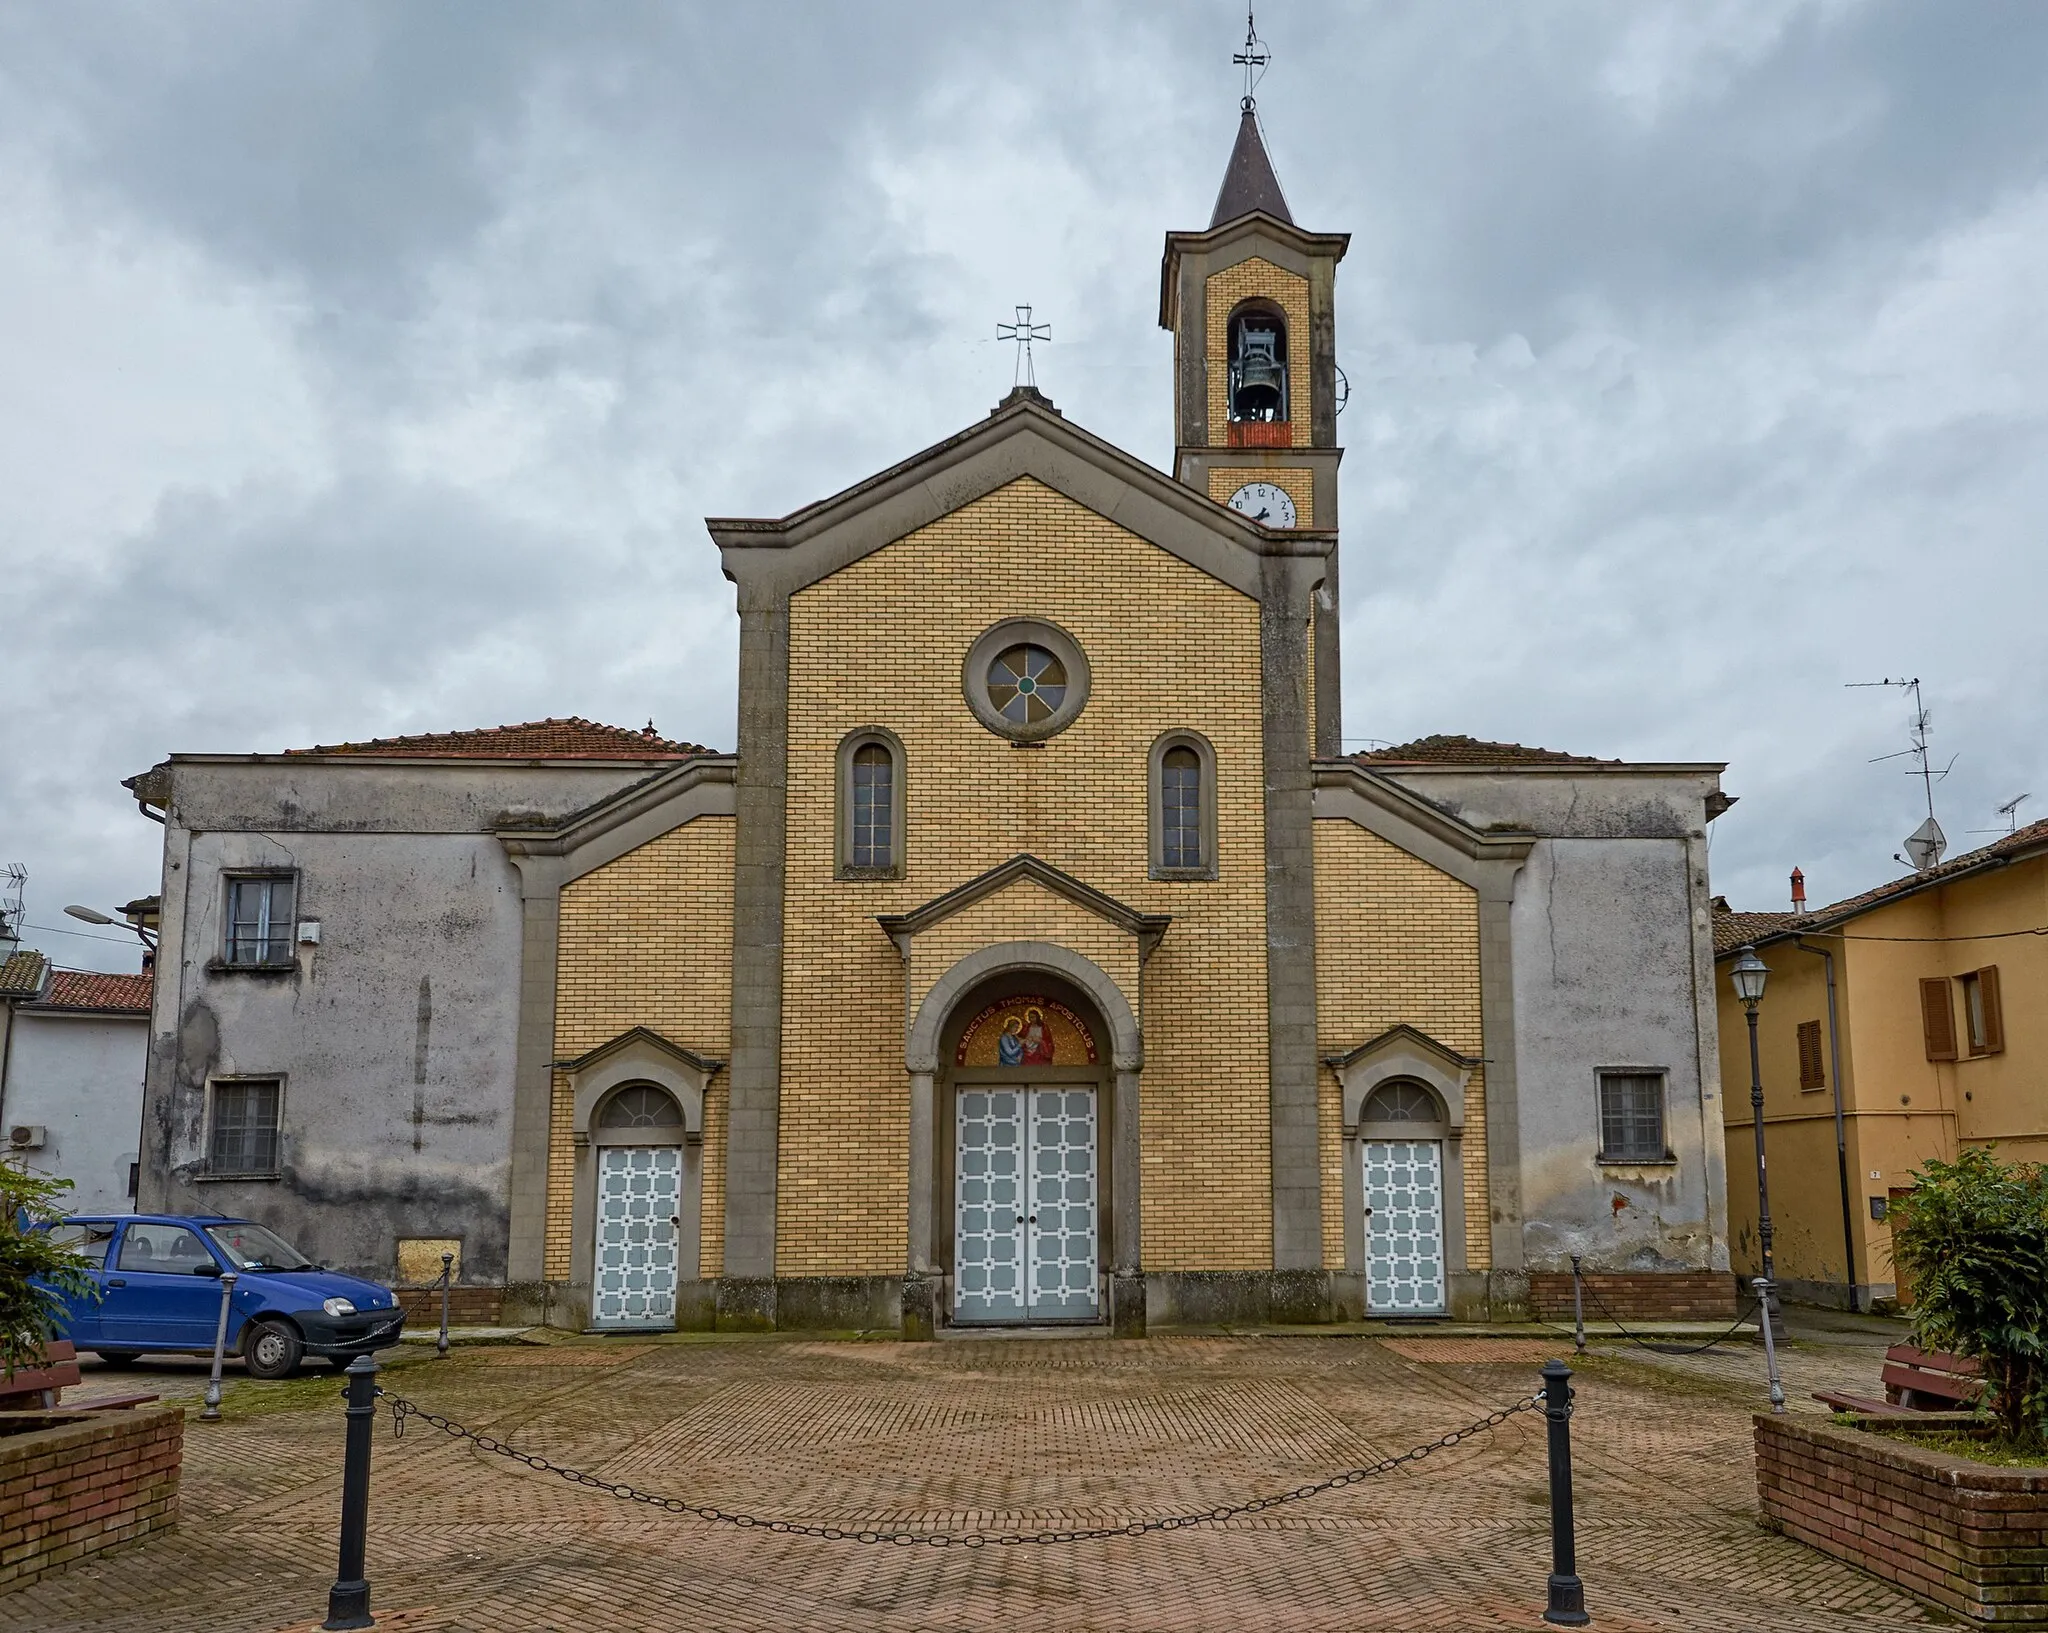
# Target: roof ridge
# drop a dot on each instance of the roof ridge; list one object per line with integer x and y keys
{"x": 554, "y": 737}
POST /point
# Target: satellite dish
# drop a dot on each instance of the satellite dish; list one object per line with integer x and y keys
{"x": 1925, "y": 845}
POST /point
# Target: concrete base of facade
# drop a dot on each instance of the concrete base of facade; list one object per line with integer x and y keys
{"x": 1824, "y": 1295}
{"x": 914, "y": 1306}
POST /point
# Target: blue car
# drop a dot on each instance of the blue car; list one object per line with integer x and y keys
{"x": 158, "y": 1277}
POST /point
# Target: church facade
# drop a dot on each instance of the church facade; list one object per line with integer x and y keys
{"x": 1039, "y": 956}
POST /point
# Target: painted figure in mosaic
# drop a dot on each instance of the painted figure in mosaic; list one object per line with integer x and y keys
{"x": 1037, "y": 1040}
{"x": 1010, "y": 1046}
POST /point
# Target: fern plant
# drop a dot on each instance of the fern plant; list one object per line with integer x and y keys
{"x": 1973, "y": 1234}
{"x": 36, "y": 1271}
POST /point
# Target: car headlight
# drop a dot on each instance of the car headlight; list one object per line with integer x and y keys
{"x": 339, "y": 1306}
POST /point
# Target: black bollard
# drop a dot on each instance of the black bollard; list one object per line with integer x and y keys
{"x": 1567, "y": 1593}
{"x": 348, "y": 1601}
{"x": 1578, "y": 1308}
{"x": 447, "y": 1274}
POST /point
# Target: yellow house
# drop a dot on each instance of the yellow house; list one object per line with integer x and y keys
{"x": 1897, "y": 1026}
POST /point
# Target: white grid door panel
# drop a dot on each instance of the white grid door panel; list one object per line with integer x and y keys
{"x": 1061, "y": 1223}
{"x": 1024, "y": 1236}
{"x": 1404, "y": 1229}
{"x": 988, "y": 1236}
{"x": 639, "y": 1194}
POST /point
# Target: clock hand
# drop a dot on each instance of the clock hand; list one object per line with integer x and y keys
{"x": 1262, "y": 515}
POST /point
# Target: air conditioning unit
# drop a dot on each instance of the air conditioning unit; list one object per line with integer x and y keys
{"x": 27, "y": 1137}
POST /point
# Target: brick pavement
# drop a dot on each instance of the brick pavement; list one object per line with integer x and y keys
{"x": 984, "y": 1434}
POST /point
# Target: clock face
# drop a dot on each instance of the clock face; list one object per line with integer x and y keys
{"x": 1264, "y": 502}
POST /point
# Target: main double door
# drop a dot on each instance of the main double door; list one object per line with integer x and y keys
{"x": 1025, "y": 1224}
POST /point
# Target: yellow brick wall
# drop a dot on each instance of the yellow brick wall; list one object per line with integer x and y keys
{"x": 646, "y": 940}
{"x": 1298, "y": 484}
{"x": 1396, "y": 940}
{"x": 881, "y": 642}
{"x": 1290, "y": 293}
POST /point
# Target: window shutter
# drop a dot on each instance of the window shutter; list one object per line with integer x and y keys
{"x": 1811, "y": 1073}
{"x": 1994, "y": 1012}
{"x": 1938, "y": 1018}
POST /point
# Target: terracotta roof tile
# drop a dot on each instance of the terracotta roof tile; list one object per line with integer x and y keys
{"x": 567, "y": 739}
{"x": 88, "y": 989}
{"x": 1456, "y": 750}
{"x": 21, "y": 976}
{"x": 1732, "y": 930}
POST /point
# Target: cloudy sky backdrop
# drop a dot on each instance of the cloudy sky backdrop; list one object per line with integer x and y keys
{"x": 367, "y": 368}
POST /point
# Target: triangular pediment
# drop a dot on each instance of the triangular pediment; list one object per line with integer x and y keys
{"x": 643, "y": 1038}
{"x": 1148, "y": 928}
{"x": 1025, "y": 438}
{"x": 1399, "y": 1039}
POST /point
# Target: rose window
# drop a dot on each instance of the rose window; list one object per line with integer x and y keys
{"x": 1027, "y": 684}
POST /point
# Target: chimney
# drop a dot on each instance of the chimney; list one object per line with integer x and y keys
{"x": 1798, "y": 891}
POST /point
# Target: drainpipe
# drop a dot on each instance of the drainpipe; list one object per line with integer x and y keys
{"x": 1841, "y": 1133}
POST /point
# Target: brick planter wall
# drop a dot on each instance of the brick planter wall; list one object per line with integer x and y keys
{"x": 467, "y": 1306}
{"x": 1970, "y": 1537}
{"x": 1691, "y": 1295}
{"x": 74, "y": 1484}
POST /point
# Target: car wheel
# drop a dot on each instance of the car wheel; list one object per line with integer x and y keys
{"x": 270, "y": 1349}
{"x": 118, "y": 1357}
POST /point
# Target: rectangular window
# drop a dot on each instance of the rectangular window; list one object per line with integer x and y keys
{"x": 1812, "y": 1070}
{"x": 244, "y": 1134}
{"x": 1632, "y": 1117}
{"x": 260, "y": 919}
{"x": 1983, "y": 1015}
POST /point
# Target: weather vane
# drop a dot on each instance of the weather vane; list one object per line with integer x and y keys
{"x": 1252, "y": 59}
{"x": 1024, "y": 331}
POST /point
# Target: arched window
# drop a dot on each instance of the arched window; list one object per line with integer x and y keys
{"x": 1183, "y": 802}
{"x": 1258, "y": 363}
{"x": 641, "y": 1107}
{"x": 1180, "y": 808}
{"x": 1400, "y": 1101}
{"x": 871, "y": 805}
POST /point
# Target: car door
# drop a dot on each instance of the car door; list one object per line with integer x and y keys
{"x": 163, "y": 1289}
{"x": 90, "y": 1240}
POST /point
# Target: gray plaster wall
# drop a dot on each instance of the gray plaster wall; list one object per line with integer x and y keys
{"x": 1611, "y": 970}
{"x": 396, "y": 1035}
{"x": 79, "y": 1076}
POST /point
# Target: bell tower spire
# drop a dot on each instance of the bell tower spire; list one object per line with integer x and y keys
{"x": 1251, "y": 302}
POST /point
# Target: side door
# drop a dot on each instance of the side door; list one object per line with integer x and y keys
{"x": 89, "y": 1239}
{"x": 163, "y": 1289}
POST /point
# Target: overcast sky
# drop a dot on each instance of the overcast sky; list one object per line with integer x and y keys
{"x": 368, "y": 368}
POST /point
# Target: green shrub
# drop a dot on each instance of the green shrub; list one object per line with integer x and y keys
{"x": 1973, "y": 1235}
{"x": 35, "y": 1271}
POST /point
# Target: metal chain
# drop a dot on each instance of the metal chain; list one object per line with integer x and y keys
{"x": 401, "y": 1409}
{"x": 1672, "y": 1349}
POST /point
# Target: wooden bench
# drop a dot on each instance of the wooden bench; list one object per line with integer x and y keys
{"x": 40, "y": 1388}
{"x": 1915, "y": 1381}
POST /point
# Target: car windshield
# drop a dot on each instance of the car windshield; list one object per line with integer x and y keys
{"x": 254, "y": 1248}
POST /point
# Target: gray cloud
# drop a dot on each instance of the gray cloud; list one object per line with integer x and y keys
{"x": 376, "y": 364}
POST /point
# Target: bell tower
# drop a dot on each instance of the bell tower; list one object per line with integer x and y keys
{"x": 1251, "y": 302}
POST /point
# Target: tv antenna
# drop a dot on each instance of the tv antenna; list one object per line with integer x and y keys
{"x": 13, "y": 886}
{"x": 2010, "y": 810}
{"x": 1024, "y": 331}
{"x": 1252, "y": 59}
{"x": 1925, "y": 843}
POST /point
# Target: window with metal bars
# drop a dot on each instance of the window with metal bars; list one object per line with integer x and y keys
{"x": 874, "y": 802}
{"x": 243, "y": 1137}
{"x": 259, "y": 919}
{"x": 1632, "y": 1117}
{"x": 1180, "y": 808}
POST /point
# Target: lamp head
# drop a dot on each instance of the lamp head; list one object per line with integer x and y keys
{"x": 89, "y": 915}
{"x": 1748, "y": 974}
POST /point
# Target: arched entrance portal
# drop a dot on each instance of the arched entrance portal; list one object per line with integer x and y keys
{"x": 1024, "y": 1091}
{"x": 1024, "y": 1061}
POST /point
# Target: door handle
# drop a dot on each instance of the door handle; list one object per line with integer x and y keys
{"x": 117, "y": 1281}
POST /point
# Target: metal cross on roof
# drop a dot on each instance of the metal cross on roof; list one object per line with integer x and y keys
{"x": 1252, "y": 59}
{"x": 1023, "y": 332}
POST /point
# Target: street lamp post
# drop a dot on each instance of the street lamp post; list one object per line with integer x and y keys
{"x": 1749, "y": 975}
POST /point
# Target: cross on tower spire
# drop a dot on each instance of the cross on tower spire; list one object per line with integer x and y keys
{"x": 1252, "y": 59}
